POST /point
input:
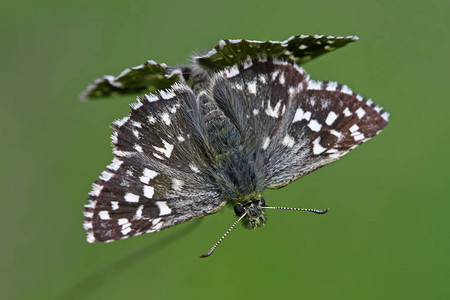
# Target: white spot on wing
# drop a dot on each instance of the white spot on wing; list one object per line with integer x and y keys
{"x": 165, "y": 118}
{"x": 347, "y": 112}
{"x": 194, "y": 168}
{"x": 96, "y": 189}
{"x": 91, "y": 204}
{"x": 104, "y": 215}
{"x": 129, "y": 197}
{"x": 114, "y": 137}
{"x": 231, "y": 72}
{"x": 138, "y": 214}
{"x": 125, "y": 231}
{"x": 301, "y": 115}
{"x": 332, "y": 150}
{"x": 346, "y": 90}
{"x": 151, "y": 97}
{"x": 315, "y": 85}
{"x": 136, "y": 124}
{"x": 332, "y": 86}
{"x": 122, "y": 121}
{"x": 266, "y": 143}
{"x": 90, "y": 236}
{"x": 122, "y": 221}
{"x": 121, "y": 153}
{"x": 360, "y": 112}
{"x": 158, "y": 156}
{"x": 252, "y": 87}
{"x": 106, "y": 176}
{"x": 332, "y": 116}
{"x": 163, "y": 208}
{"x": 88, "y": 226}
{"x": 147, "y": 174}
{"x": 239, "y": 86}
{"x": 317, "y": 147}
{"x": 288, "y": 141}
{"x": 248, "y": 64}
{"x": 149, "y": 191}
{"x": 136, "y": 105}
{"x": 335, "y": 133}
{"x": 314, "y": 125}
{"x": 273, "y": 112}
{"x": 114, "y": 205}
{"x": 156, "y": 221}
{"x": 354, "y": 128}
{"x": 359, "y": 137}
{"x": 282, "y": 79}
{"x": 262, "y": 78}
{"x": 138, "y": 148}
{"x": 157, "y": 227}
{"x": 173, "y": 109}
{"x": 168, "y": 94}
{"x": 167, "y": 150}
{"x": 177, "y": 184}
{"x": 274, "y": 75}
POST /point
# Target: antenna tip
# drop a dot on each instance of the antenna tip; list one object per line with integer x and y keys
{"x": 205, "y": 255}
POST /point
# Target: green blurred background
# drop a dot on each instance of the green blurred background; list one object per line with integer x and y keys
{"x": 387, "y": 233}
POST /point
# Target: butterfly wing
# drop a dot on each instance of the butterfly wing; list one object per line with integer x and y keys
{"x": 151, "y": 76}
{"x": 147, "y": 77}
{"x": 299, "y": 48}
{"x": 155, "y": 180}
{"x": 300, "y": 124}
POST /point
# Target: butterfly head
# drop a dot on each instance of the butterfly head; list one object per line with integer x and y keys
{"x": 254, "y": 213}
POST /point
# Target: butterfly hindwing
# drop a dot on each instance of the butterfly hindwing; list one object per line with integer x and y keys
{"x": 151, "y": 76}
{"x": 147, "y": 77}
{"x": 299, "y": 48}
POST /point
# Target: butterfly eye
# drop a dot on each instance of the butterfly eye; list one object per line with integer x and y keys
{"x": 239, "y": 210}
{"x": 262, "y": 202}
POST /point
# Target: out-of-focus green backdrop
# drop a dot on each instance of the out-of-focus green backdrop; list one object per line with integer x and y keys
{"x": 387, "y": 233}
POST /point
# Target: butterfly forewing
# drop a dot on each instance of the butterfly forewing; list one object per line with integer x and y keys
{"x": 300, "y": 124}
{"x": 155, "y": 180}
{"x": 328, "y": 120}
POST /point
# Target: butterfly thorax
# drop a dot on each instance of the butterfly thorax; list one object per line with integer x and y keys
{"x": 235, "y": 167}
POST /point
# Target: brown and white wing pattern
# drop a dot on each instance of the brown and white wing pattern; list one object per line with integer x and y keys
{"x": 300, "y": 124}
{"x": 155, "y": 179}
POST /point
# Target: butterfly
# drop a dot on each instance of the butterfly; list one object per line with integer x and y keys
{"x": 242, "y": 118}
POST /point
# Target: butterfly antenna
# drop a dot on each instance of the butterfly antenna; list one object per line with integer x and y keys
{"x": 223, "y": 236}
{"x": 316, "y": 211}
